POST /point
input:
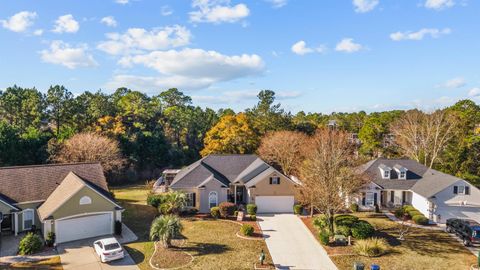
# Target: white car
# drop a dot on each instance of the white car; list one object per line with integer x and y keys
{"x": 108, "y": 249}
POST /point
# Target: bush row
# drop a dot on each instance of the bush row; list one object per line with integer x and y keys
{"x": 409, "y": 211}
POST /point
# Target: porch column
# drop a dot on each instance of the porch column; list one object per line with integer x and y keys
{"x": 235, "y": 194}
{"x": 15, "y": 215}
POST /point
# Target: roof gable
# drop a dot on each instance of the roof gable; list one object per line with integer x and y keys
{"x": 36, "y": 183}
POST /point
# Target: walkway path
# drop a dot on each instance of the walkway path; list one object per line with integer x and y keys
{"x": 292, "y": 245}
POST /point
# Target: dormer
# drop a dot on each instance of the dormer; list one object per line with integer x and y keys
{"x": 385, "y": 171}
{"x": 401, "y": 171}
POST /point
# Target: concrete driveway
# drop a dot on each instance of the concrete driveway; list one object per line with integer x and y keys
{"x": 81, "y": 255}
{"x": 292, "y": 245}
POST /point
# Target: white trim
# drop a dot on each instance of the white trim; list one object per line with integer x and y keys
{"x": 265, "y": 174}
{"x": 85, "y": 214}
{"x": 10, "y": 205}
{"x": 16, "y": 222}
{"x": 208, "y": 180}
{"x": 37, "y": 201}
{"x": 85, "y": 200}
{"x": 23, "y": 218}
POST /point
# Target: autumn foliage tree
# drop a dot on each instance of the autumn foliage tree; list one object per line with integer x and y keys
{"x": 328, "y": 173}
{"x": 285, "y": 149}
{"x": 91, "y": 147}
{"x": 231, "y": 135}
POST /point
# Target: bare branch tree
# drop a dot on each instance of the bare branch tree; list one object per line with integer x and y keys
{"x": 327, "y": 174}
{"x": 423, "y": 137}
{"x": 285, "y": 149}
{"x": 91, "y": 147}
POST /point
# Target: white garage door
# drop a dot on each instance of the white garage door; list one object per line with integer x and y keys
{"x": 458, "y": 212}
{"x": 274, "y": 204}
{"x": 83, "y": 227}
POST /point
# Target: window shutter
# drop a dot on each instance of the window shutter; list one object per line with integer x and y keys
{"x": 279, "y": 180}
{"x": 467, "y": 190}
{"x": 363, "y": 199}
{"x": 270, "y": 180}
{"x": 455, "y": 190}
{"x": 194, "y": 199}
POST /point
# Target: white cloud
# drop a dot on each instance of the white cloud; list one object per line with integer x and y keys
{"x": 453, "y": 83}
{"x": 231, "y": 97}
{"x": 66, "y": 24}
{"x": 301, "y": 48}
{"x": 61, "y": 53}
{"x": 122, "y": 2}
{"x": 38, "y": 32}
{"x": 19, "y": 22}
{"x": 348, "y": 45}
{"x": 166, "y": 10}
{"x": 135, "y": 40}
{"x": 474, "y": 92}
{"x": 439, "y": 4}
{"x": 217, "y": 11}
{"x": 420, "y": 34}
{"x": 188, "y": 68}
{"x": 362, "y": 6}
{"x": 277, "y": 3}
{"x": 109, "y": 21}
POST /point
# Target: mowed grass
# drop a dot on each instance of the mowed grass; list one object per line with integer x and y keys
{"x": 51, "y": 264}
{"x": 212, "y": 242}
{"x": 422, "y": 249}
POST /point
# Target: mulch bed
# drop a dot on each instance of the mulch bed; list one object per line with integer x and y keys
{"x": 170, "y": 258}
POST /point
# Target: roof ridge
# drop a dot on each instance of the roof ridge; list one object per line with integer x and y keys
{"x": 48, "y": 165}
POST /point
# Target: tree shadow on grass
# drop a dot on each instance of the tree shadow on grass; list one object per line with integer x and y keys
{"x": 200, "y": 249}
{"x": 136, "y": 255}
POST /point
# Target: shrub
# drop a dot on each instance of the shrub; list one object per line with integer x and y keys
{"x": 251, "y": 209}
{"x": 408, "y": 208}
{"x": 253, "y": 217}
{"x": 50, "y": 239}
{"x": 118, "y": 227}
{"x": 247, "y": 230}
{"x": 235, "y": 213}
{"x": 215, "y": 212}
{"x": 420, "y": 219}
{"x": 321, "y": 223}
{"x": 362, "y": 230}
{"x": 227, "y": 209}
{"x": 155, "y": 200}
{"x": 324, "y": 237}
{"x": 372, "y": 247}
{"x": 399, "y": 213}
{"x": 30, "y": 244}
{"x": 343, "y": 230}
{"x": 165, "y": 228}
{"x": 345, "y": 220}
{"x": 297, "y": 209}
{"x": 414, "y": 213}
{"x": 354, "y": 207}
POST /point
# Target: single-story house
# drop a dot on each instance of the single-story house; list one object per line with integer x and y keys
{"x": 240, "y": 179}
{"x": 71, "y": 200}
{"x": 397, "y": 182}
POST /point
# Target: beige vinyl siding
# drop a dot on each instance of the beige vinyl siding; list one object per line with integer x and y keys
{"x": 72, "y": 206}
{"x": 24, "y": 206}
{"x": 212, "y": 185}
{"x": 263, "y": 188}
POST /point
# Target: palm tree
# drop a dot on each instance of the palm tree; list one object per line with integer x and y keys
{"x": 174, "y": 202}
{"x": 165, "y": 228}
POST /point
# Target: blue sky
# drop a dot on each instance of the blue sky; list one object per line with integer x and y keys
{"x": 323, "y": 56}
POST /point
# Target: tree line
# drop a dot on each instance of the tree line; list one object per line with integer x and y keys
{"x": 138, "y": 135}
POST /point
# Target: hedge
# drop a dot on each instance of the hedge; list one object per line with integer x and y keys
{"x": 420, "y": 219}
{"x": 251, "y": 209}
{"x": 297, "y": 209}
{"x": 362, "y": 230}
{"x": 345, "y": 220}
{"x": 247, "y": 230}
{"x": 215, "y": 212}
{"x": 227, "y": 209}
{"x": 155, "y": 199}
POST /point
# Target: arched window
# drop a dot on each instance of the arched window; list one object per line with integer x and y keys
{"x": 213, "y": 199}
{"x": 85, "y": 200}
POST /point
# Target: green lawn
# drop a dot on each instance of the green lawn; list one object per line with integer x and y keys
{"x": 422, "y": 249}
{"x": 212, "y": 243}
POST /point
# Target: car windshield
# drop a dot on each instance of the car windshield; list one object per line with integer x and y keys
{"x": 112, "y": 246}
{"x": 476, "y": 233}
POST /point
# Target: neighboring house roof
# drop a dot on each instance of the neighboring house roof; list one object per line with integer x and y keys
{"x": 224, "y": 168}
{"x": 420, "y": 179}
{"x": 36, "y": 183}
{"x": 69, "y": 187}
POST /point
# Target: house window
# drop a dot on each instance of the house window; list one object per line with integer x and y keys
{"x": 213, "y": 199}
{"x": 85, "y": 200}
{"x": 403, "y": 175}
{"x": 27, "y": 219}
{"x": 464, "y": 190}
{"x": 191, "y": 199}
{"x": 369, "y": 199}
{"x": 275, "y": 180}
{"x": 386, "y": 174}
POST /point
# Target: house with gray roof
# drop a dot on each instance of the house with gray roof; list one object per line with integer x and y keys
{"x": 70, "y": 200}
{"x": 397, "y": 182}
{"x": 240, "y": 179}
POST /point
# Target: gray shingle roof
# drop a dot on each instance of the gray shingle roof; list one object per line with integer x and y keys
{"x": 433, "y": 182}
{"x": 225, "y": 168}
{"x": 35, "y": 183}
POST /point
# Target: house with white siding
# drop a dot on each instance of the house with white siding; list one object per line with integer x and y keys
{"x": 397, "y": 182}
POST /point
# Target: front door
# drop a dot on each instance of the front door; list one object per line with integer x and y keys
{"x": 240, "y": 194}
